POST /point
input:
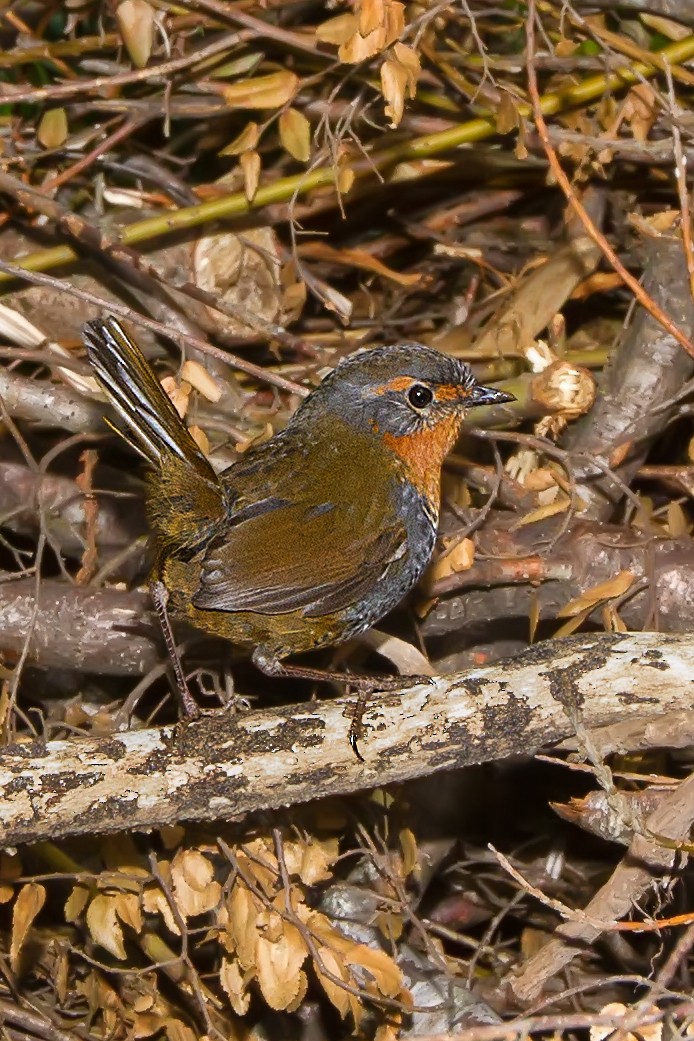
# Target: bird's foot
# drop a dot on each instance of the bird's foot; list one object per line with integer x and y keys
{"x": 270, "y": 665}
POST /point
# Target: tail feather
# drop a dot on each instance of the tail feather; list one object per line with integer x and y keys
{"x": 138, "y": 397}
{"x": 185, "y": 500}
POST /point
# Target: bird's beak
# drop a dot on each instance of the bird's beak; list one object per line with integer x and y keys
{"x": 480, "y": 395}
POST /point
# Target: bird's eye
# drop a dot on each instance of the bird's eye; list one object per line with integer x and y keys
{"x": 419, "y": 396}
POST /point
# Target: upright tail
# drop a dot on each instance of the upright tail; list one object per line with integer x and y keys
{"x": 185, "y": 499}
{"x": 138, "y": 397}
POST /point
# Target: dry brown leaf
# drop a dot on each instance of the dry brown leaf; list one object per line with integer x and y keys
{"x": 147, "y": 1023}
{"x": 394, "y": 21}
{"x": 407, "y": 659}
{"x": 640, "y": 110}
{"x": 531, "y": 941}
{"x": 76, "y": 903}
{"x": 201, "y": 439}
{"x": 391, "y": 925}
{"x": 323, "y": 930}
{"x": 302, "y": 987}
{"x": 656, "y": 223}
{"x": 341, "y": 999}
{"x": 551, "y": 509}
{"x": 541, "y": 479}
{"x": 399, "y": 80}
{"x": 234, "y": 985}
{"x": 647, "y": 1032}
{"x": 271, "y": 91}
{"x": 590, "y": 598}
{"x": 337, "y": 30}
{"x": 172, "y": 835}
{"x": 317, "y": 857}
{"x": 199, "y": 378}
{"x": 61, "y": 973}
{"x": 408, "y": 845}
{"x": 360, "y": 48}
{"x": 194, "y": 887}
{"x": 104, "y": 915}
{"x": 506, "y": 114}
{"x": 358, "y": 258}
{"x": 295, "y": 134}
{"x": 241, "y": 932}
{"x": 309, "y": 859}
{"x": 389, "y": 1031}
{"x": 573, "y": 623}
{"x": 372, "y": 14}
{"x": 104, "y": 926}
{"x": 345, "y": 179}
{"x": 293, "y": 300}
{"x": 177, "y": 1030}
{"x": 240, "y": 269}
{"x": 102, "y": 998}
{"x": 278, "y": 964}
{"x": 677, "y": 522}
{"x": 52, "y": 130}
{"x": 378, "y": 24}
{"x": 29, "y": 902}
{"x": 408, "y": 57}
{"x": 612, "y": 620}
{"x": 335, "y": 301}
{"x": 129, "y": 911}
{"x": 533, "y": 616}
{"x": 460, "y": 557}
{"x": 136, "y": 23}
{"x": 155, "y": 901}
{"x": 565, "y": 48}
{"x": 179, "y": 393}
{"x": 258, "y": 860}
{"x": 250, "y": 166}
{"x": 144, "y": 1003}
{"x": 271, "y": 923}
{"x": 393, "y": 86}
{"x": 247, "y": 139}
{"x": 379, "y": 965}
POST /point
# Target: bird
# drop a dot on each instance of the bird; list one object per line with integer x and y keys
{"x": 313, "y": 535}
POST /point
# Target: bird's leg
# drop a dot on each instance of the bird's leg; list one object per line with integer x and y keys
{"x": 270, "y": 665}
{"x": 160, "y": 598}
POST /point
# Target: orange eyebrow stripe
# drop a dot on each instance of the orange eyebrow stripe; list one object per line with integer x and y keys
{"x": 450, "y": 392}
{"x": 396, "y": 384}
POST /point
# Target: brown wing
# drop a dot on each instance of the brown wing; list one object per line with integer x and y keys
{"x": 294, "y": 557}
{"x": 300, "y": 551}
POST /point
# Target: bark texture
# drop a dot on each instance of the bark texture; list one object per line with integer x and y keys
{"x": 224, "y": 766}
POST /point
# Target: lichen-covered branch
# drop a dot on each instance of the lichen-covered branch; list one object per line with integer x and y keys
{"x": 224, "y": 766}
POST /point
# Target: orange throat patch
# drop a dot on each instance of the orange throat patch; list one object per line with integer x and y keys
{"x": 423, "y": 454}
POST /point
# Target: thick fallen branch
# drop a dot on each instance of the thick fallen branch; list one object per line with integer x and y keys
{"x": 77, "y": 627}
{"x": 638, "y": 390}
{"x": 224, "y": 766}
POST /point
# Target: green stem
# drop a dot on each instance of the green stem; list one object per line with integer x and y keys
{"x": 56, "y": 50}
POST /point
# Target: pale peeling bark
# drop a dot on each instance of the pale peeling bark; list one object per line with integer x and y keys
{"x": 223, "y": 766}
